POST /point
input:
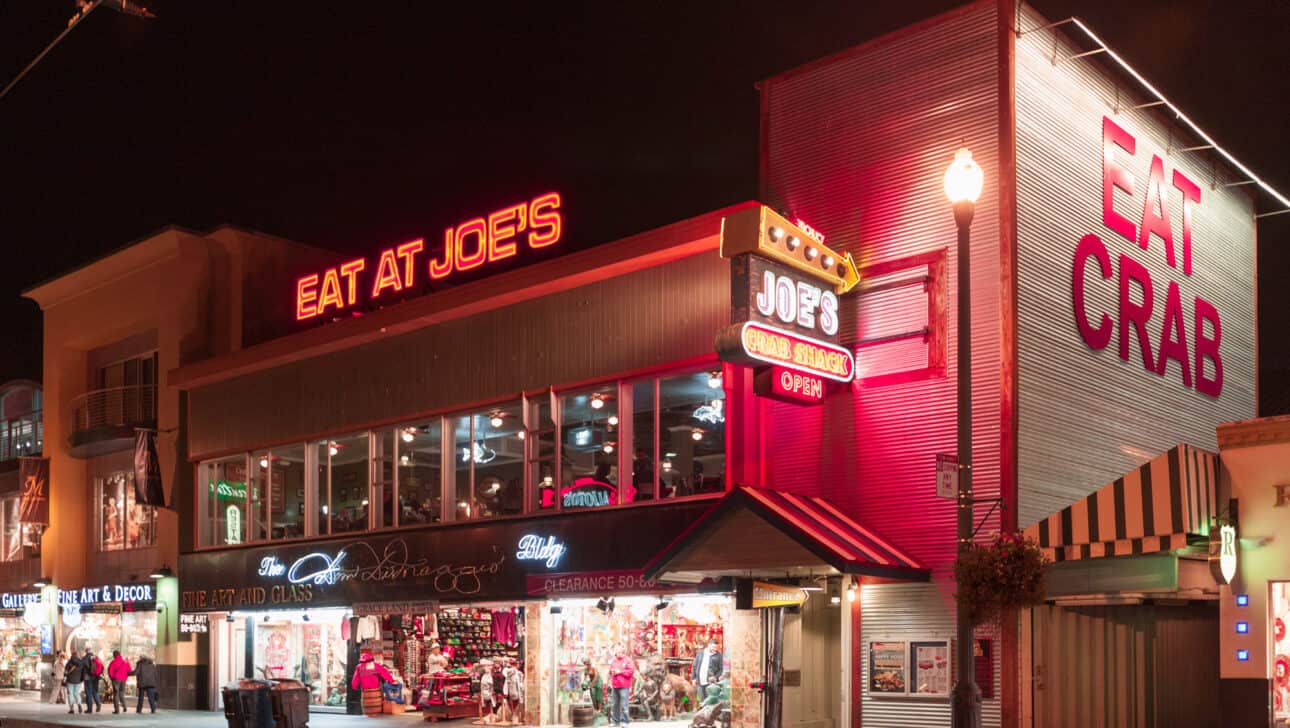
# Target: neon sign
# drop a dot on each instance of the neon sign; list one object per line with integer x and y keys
{"x": 496, "y": 236}
{"x": 535, "y": 548}
{"x": 754, "y": 342}
{"x": 790, "y": 385}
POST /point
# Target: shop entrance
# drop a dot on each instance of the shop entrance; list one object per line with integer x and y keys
{"x": 20, "y": 657}
{"x": 308, "y": 646}
{"x": 662, "y": 637}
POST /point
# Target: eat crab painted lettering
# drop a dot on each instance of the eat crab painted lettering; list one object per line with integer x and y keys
{"x": 1193, "y": 342}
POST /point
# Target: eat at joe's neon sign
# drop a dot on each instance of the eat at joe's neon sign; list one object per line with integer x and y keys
{"x": 490, "y": 238}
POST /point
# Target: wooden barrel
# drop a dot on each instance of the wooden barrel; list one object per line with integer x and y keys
{"x": 372, "y": 701}
{"x": 582, "y": 715}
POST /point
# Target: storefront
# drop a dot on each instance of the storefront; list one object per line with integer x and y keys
{"x": 21, "y": 644}
{"x": 544, "y": 601}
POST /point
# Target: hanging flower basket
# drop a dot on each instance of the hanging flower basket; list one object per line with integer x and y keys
{"x": 995, "y": 577}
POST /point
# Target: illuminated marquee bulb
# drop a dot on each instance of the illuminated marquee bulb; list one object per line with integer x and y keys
{"x": 496, "y": 420}
{"x": 597, "y": 402}
{"x": 811, "y": 252}
{"x": 775, "y": 233}
{"x": 696, "y": 434}
{"x": 613, "y": 420}
{"x": 792, "y": 242}
{"x": 827, "y": 262}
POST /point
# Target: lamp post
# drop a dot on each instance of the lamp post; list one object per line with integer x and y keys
{"x": 963, "y": 182}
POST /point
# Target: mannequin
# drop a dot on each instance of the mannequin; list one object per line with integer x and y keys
{"x": 487, "y": 697}
{"x": 513, "y": 691}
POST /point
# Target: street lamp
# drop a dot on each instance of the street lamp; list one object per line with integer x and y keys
{"x": 963, "y": 181}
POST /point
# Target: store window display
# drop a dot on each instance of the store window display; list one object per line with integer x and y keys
{"x": 665, "y": 642}
{"x": 306, "y": 646}
{"x": 1280, "y": 620}
{"x": 19, "y": 655}
{"x": 109, "y": 628}
{"x": 124, "y": 524}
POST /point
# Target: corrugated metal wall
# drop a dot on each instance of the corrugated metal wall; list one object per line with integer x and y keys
{"x": 1086, "y": 416}
{"x": 1126, "y": 666}
{"x": 857, "y": 146}
{"x": 650, "y": 317}
{"x": 911, "y": 612}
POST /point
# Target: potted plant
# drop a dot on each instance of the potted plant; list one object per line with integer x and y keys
{"x": 1006, "y": 573}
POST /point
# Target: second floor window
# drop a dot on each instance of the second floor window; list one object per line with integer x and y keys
{"x": 123, "y": 524}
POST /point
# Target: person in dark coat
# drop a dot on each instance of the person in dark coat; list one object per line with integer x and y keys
{"x": 74, "y": 676}
{"x": 92, "y": 667}
{"x": 145, "y": 678}
{"x": 707, "y": 668}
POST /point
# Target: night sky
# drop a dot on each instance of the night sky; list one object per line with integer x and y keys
{"x": 357, "y": 125}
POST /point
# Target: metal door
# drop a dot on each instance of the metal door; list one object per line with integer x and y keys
{"x": 1139, "y": 666}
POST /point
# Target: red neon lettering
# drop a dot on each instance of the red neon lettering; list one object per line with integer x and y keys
{"x": 1207, "y": 347}
{"x": 1191, "y": 198}
{"x": 1173, "y": 336}
{"x": 408, "y": 252}
{"x": 1151, "y": 221}
{"x": 387, "y": 274}
{"x": 306, "y": 297}
{"x": 1113, "y": 175}
{"x": 474, "y": 260}
{"x": 1133, "y": 313}
{"x": 330, "y": 293}
{"x": 443, "y": 268}
{"x": 499, "y": 232}
{"x": 1090, "y": 246}
{"x": 544, "y": 212}
{"x": 349, "y": 271}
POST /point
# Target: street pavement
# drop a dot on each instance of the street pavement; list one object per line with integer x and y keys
{"x": 17, "y": 714}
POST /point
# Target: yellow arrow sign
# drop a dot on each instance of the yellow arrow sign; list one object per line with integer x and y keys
{"x": 763, "y": 231}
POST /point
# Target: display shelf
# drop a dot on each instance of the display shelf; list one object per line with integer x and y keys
{"x": 448, "y": 697}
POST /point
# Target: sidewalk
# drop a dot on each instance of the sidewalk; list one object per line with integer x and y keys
{"x": 32, "y": 715}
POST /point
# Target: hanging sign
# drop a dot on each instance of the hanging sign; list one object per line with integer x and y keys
{"x": 763, "y": 595}
{"x": 785, "y": 312}
{"x": 1224, "y": 545}
{"x": 33, "y": 506}
{"x": 479, "y": 241}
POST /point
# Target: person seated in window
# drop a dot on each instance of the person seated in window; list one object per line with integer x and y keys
{"x": 643, "y": 475}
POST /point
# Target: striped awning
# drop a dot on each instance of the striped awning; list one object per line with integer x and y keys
{"x": 1161, "y": 506}
{"x": 758, "y": 530}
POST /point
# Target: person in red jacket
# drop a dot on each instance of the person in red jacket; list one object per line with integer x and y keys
{"x": 622, "y": 670}
{"x": 370, "y": 674}
{"x": 118, "y": 670}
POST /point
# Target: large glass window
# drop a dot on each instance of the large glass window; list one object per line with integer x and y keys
{"x": 541, "y": 449}
{"x": 123, "y": 523}
{"x": 487, "y": 477}
{"x": 278, "y": 494}
{"x": 692, "y": 442}
{"x": 348, "y": 474}
{"x": 15, "y": 534}
{"x": 223, "y": 508}
{"x": 589, "y": 447}
{"x": 420, "y": 473}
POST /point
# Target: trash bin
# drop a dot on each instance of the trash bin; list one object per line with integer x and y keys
{"x": 247, "y": 704}
{"x": 290, "y": 704}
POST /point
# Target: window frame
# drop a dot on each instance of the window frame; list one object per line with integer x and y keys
{"x": 127, "y": 516}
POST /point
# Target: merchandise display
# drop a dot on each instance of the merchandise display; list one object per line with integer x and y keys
{"x": 663, "y": 638}
{"x": 307, "y": 647}
{"x": 19, "y": 655}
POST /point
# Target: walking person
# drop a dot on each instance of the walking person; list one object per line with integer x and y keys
{"x": 60, "y": 681}
{"x": 74, "y": 676}
{"x": 93, "y": 668}
{"x": 118, "y": 670}
{"x": 621, "y": 672}
{"x": 145, "y": 679}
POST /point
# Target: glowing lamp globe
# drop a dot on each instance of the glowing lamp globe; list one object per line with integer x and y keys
{"x": 963, "y": 180}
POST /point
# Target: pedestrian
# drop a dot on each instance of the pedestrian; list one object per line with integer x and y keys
{"x": 621, "y": 672}
{"x": 93, "y": 669}
{"x": 118, "y": 670}
{"x": 145, "y": 679}
{"x": 59, "y": 695}
{"x": 74, "y": 676}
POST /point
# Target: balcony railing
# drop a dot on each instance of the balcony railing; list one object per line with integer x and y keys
{"x": 112, "y": 412}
